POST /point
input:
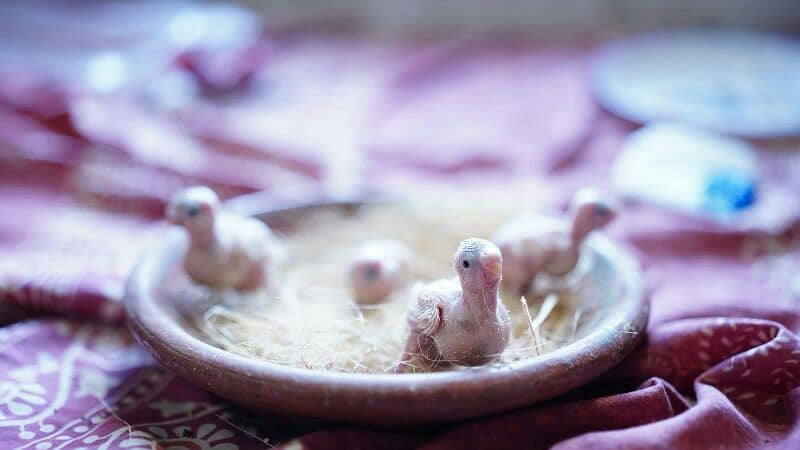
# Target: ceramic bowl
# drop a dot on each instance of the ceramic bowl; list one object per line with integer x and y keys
{"x": 614, "y": 286}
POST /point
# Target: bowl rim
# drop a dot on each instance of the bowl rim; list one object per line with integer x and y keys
{"x": 172, "y": 344}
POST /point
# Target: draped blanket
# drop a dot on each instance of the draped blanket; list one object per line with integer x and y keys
{"x": 84, "y": 177}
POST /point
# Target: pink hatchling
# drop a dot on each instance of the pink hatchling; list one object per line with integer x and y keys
{"x": 459, "y": 321}
{"x": 378, "y": 268}
{"x": 225, "y": 250}
{"x": 542, "y": 244}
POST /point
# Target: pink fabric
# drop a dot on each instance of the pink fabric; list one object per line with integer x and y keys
{"x": 81, "y": 192}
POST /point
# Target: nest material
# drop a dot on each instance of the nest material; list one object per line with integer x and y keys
{"x": 311, "y": 320}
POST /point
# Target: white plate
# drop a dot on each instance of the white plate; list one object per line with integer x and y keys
{"x": 744, "y": 83}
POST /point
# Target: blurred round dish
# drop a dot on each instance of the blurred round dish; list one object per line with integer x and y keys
{"x": 744, "y": 83}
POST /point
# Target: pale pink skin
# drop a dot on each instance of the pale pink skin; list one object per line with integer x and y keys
{"x": 377, "y": 270}
{"x": 459, "y": 321}
{"x": 534, "y": 245}
{"x": 225, "y": 250}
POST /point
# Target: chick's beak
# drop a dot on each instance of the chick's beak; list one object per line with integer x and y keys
{"x": 170, "y": 213}
{"x": 492, "y": 262}
{"x": 173, "y": 217}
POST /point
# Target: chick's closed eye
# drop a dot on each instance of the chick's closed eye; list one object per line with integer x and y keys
{"x": 602, "y": 210}
{"x": 371, "y": 273}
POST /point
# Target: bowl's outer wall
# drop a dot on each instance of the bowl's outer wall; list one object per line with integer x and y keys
{"x": 378, "y": 400}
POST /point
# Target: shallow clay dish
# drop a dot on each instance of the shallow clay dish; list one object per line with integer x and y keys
{"x": 615, "y": 283}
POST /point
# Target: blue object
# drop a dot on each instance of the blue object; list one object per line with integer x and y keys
{"x": 728, "y": 191}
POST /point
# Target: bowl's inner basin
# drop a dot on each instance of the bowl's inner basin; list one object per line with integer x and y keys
{"x": 307, "y": 318}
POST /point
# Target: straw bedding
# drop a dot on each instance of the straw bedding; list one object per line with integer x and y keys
{"x": 308, "y": 318}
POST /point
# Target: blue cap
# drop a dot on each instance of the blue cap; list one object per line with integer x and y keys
{"x": 729, "y": 191}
